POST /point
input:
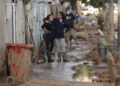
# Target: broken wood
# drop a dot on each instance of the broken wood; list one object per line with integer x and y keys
{"x": 30, "y": 38}
{"x": 112, "y": 68}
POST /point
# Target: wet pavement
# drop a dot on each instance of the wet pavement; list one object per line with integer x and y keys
{"x": 62, "y": 71}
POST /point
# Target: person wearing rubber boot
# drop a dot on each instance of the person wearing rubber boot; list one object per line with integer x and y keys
{"x": 60, "y": 23}
{"x": 48, "y": 28}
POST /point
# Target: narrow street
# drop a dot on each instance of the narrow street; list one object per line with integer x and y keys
{"x": 65, "y": 74}
{"x": 62, "y": 71}
{"x": 60, "y": 43}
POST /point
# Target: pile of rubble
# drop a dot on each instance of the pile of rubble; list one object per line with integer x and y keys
{"x": 85, "y": 25}
{"x": 93, "y": 55}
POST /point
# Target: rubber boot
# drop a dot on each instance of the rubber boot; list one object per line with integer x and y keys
{"x": 59, "y": 57}
{"x": 64, "y": 57}
{"x": 50, "y": 59}
{"x": 49, "y": 56}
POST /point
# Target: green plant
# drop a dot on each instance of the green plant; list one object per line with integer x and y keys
{"x": 73, "y": 3}
{"x": 26, "y": 1}
{"x": 88, "y": 14}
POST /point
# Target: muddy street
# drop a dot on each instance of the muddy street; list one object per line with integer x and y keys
{"x": 60, "y": 43}
{"x": 62, "y": 71}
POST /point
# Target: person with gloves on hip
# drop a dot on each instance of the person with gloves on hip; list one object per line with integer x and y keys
{"x": 60, "y": 24}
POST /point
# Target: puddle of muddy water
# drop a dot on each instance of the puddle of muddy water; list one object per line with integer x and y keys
{"x": 83, "y": 73}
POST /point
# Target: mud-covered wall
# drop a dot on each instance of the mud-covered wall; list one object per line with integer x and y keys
{"x": 5, "y": 27}
{"x": 20, "y": 22}
{"x": 1, "y": 29}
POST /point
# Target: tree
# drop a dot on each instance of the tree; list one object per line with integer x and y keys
{"x": 97, "y": 3}
{"x": 24, "y": 1}
{"x": 73, "y": 3}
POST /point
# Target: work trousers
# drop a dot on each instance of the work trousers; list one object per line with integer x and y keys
{"x": 60, "y": 45}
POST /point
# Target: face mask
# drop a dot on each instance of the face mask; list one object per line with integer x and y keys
{"x": 68, "y": 12}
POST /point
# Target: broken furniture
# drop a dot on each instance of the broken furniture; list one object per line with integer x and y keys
{"x": 113, "y": 68}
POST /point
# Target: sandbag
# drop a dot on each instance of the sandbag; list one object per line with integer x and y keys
{"x": 80, "y": 35}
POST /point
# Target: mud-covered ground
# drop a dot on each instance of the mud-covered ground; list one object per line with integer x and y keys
{"x": 62, "y": 71}
{"x": 80, "y": 71}
{"x": 79, "y": 68}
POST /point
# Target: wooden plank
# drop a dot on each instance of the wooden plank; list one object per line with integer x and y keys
{"x": 112, "y": 69}
{"x": 30, "y": 37}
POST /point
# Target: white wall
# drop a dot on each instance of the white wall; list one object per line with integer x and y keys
{"x": 5, "y": 28}
{"x": 20, "y": 22}
{"x": 1, "y": 28}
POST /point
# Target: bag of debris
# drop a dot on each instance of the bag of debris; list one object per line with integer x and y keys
{"x": 88, "y": 25}
{"x": 80, "y": 35}
{"x": 79, "y": 29}
{"x": 94, "y": 55}
{"x": 92, "y": 17}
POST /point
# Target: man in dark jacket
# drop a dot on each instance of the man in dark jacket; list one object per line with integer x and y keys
{"x": 60, "y": 24}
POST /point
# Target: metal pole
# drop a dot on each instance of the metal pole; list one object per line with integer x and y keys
{"x": 119, "y": 28}
{"x": 14, "y": 22}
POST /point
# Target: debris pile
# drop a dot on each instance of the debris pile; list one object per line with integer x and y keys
{"x": 81, "y": 35}
{"x": 86, "y": 27}
{"x": 94, "y": 55}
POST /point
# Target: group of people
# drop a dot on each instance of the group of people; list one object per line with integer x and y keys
{"x": 54, "y": 33}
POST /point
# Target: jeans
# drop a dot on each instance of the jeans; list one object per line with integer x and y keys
{"x": 60, "y": 45}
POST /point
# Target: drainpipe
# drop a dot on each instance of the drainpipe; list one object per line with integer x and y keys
{"x": 14, "y": 22}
